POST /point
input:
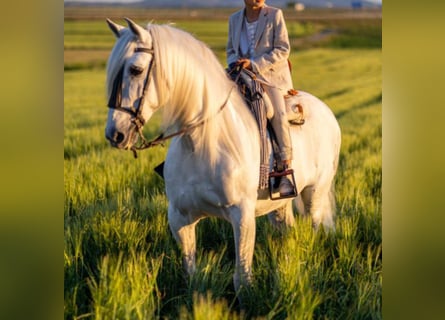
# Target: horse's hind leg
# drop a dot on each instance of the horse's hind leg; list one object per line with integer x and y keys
{"x": 304, "y": 201}
{"x": 318, "y": 202}
{"x": 282, "y": 217}
{"x": 182, "y": 227}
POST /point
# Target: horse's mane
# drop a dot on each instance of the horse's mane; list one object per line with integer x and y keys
{"x": 193, "y": 86}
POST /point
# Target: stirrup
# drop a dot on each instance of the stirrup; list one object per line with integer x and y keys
{"x": 279, "y": 174}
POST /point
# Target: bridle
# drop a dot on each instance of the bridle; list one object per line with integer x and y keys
{"x": 136, "y": 114}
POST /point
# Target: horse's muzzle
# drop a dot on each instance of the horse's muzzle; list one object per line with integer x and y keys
{"x": 120, "y": 140}
{"x": 116, "y": 139}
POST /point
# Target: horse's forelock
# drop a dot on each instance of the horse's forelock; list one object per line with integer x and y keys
{"x": 121, "y": 50}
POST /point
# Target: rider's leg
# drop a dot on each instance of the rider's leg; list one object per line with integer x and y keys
{"x": 280, "y": 123}
{"x": 281, "y": 128}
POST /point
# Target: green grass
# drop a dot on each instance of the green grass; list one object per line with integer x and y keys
{"x": 120, "y": 260}
{"x": 87, "y": 42}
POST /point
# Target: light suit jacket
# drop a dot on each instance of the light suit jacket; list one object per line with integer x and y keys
{"x": 272, "y": 46}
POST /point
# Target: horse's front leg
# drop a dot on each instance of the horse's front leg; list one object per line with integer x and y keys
{"x": 243, "y": 223}
{"x": 182, "y": 227}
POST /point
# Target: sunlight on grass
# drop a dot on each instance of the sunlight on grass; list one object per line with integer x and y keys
{"x": 132, "y": 281}
{"x": 120, "y": 259}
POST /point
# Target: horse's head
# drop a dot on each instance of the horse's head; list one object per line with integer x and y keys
{"x": 130, "y": 83}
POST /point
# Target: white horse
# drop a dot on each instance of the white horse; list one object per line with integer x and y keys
{"x": 212, "y": 165}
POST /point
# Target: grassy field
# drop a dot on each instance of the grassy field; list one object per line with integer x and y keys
{"x": 120, "y": 259}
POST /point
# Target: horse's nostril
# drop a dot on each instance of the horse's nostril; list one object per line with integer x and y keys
{"x": 119, "y": 137}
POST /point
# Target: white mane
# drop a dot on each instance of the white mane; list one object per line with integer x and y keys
{"x": 123, "y": 48}
{"x": 193, "y": 86}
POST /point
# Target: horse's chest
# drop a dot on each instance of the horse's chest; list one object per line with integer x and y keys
{"x": 195, "y": 196}
{"x": 192, "y": 183}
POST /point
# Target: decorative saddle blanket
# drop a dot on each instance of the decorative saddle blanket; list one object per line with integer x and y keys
{"x": 260, "y": 105}
{"x": 253, "y": 94}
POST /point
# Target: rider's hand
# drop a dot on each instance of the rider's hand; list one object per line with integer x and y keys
{"x": 244, "y": 63}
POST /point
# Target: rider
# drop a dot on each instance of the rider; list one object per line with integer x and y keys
{"x": 258, "y": 41}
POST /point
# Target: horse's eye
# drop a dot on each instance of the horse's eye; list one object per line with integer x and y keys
{"x": 135, "y": 71}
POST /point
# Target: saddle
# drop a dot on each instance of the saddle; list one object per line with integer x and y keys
{"x": 261, "y": 107}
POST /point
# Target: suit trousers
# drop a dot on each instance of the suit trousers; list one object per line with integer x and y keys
{"x": 279, "y": 122}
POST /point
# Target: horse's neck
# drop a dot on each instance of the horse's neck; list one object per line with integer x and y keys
{"x": 227, "y": 134}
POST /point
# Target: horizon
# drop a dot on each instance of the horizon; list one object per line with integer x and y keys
{"x": 376, "y": 2}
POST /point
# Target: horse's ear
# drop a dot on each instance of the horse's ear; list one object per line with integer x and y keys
{"x": 137, "y": 30}
{"x": 115, "y": 28}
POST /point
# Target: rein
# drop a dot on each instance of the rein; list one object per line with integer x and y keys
{"x": 138, "y": 120}
{"x": 161, "y": 138}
